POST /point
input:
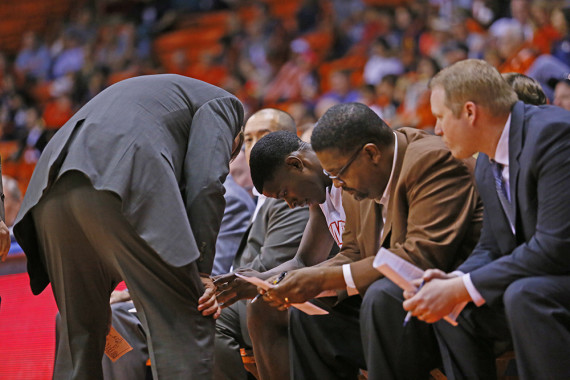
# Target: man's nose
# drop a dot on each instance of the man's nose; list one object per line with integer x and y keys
{"x": 438, "y": 130}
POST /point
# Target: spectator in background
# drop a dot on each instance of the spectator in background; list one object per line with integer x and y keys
{"x": 70, "y": 58}
{"x": 414, "y": 110}
{"x": 296, "y": 79}
{"x": 545, "y": 34}
{"x": 382, "y": 62}
{"x": 561, "y": 21}
{"x": 367, "y": 96}
{"x": 385, "y": 97}
{"x": 33, "y": 60}
{"x": 453, "y": 51}
{"x": 308, "y": 15}
{"x": 520, "y": 17}
{"x": 341, "y": 89}
{"x": 562, "y": 94}
{"x": 33, "y": 141}
{"x": 516, "y": 52}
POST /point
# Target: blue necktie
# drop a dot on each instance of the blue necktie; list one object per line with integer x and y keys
{"x": 502, "y": 192}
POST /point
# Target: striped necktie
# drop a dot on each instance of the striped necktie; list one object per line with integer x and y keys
{"x": 502, "y": 192}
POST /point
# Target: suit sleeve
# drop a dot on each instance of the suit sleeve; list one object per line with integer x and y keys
{"x": 546, "y": 252}
{"x": 238, "y": 211}
{"x": 444, "y": 210}
{"x": 206, "y": 166}
{"x": 285, "y": 227}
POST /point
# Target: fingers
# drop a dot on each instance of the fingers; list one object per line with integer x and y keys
{"x": 226, "y": 296}
{"x": 224, "y": 279}
{"x": 430, "y": 274}
{"x": 233, "y": 284}
{"x": 4, "y": 241}
{"x": 208, "y": 304}
{"x": 274, "y": 301}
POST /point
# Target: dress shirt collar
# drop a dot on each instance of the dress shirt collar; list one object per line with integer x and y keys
{"x": 502, "y": 150}
{"x": 386, "y": 196}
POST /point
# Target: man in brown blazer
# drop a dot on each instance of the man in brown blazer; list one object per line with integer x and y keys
{"x": 403, "y": 191}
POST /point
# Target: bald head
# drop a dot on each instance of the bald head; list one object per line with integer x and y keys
{"x": 264, "y": 122}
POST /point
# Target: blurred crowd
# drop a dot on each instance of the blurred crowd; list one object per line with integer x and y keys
{"x": 302, "y": 56}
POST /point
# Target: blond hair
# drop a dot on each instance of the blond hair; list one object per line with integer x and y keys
{"x": 474, "y": 80}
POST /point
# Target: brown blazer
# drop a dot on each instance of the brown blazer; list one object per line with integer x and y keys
{"x": 434, "y": 212}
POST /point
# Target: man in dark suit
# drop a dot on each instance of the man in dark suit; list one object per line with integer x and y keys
{"x": 131, "y": 188}
{"x": 518, "y": 274}
{"x": 402, "y": 190}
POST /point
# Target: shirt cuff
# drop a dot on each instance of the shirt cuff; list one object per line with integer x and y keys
{"x": 347, "y": 274}
{"x": 473, "y": 292}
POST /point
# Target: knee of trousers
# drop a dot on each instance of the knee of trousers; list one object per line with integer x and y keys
{"x": 520, "y": 297}
{"x": 378, "y": 294}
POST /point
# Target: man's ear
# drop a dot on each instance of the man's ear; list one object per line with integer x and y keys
{"x": 471, "y": 111}
{"x": 294, "y": 162}
{"x": 372, "y": 152}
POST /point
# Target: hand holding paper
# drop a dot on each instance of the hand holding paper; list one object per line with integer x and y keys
{"x": 306, "y": 307}
{"x": 403, "y": 273}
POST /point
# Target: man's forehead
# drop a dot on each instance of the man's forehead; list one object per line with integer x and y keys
{"x": 262, "y": 122}
{"x": 437, "y": 98}
{"x": 329, "y": 156}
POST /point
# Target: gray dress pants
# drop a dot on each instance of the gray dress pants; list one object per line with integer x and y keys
{"x": 88, "y": 246}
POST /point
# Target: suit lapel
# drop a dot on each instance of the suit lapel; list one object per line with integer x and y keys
{"x": 371, "y": 219}
{"x": 402, "y": 141}
{"x": 515, "y": 148}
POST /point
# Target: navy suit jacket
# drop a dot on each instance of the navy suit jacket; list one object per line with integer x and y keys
{"x": 539, "y": 169}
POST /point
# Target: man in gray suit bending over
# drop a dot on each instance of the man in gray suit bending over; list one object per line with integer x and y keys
{"x": 131, "y": 188}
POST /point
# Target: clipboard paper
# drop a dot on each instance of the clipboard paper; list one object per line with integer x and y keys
{"x": 402, "y": 273}
{"x": 305, "y": 307}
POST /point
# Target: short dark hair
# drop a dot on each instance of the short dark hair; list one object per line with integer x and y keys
{"x": 349, "y": 125}
{"x": 269, "y": 153}
{"x": 528, "y": 89}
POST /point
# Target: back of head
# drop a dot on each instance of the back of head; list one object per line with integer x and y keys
{"x": 347, "y": 126}
{"x": 527, "y": 89}
{"x": 477, "y": 81}
{"x": 269, "y": 154}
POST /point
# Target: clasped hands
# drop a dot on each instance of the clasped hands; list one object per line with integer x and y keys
{"x": 438, "y": 296}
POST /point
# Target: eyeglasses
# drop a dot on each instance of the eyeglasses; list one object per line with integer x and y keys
{"x": 345, "y": 167}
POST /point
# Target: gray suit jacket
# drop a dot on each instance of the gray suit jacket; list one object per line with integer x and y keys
{"x": 273, "y": 237}
{"x": 238, "y": 212}
{"x": 539, "y": 171}
{"x": 162, "y": 143}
